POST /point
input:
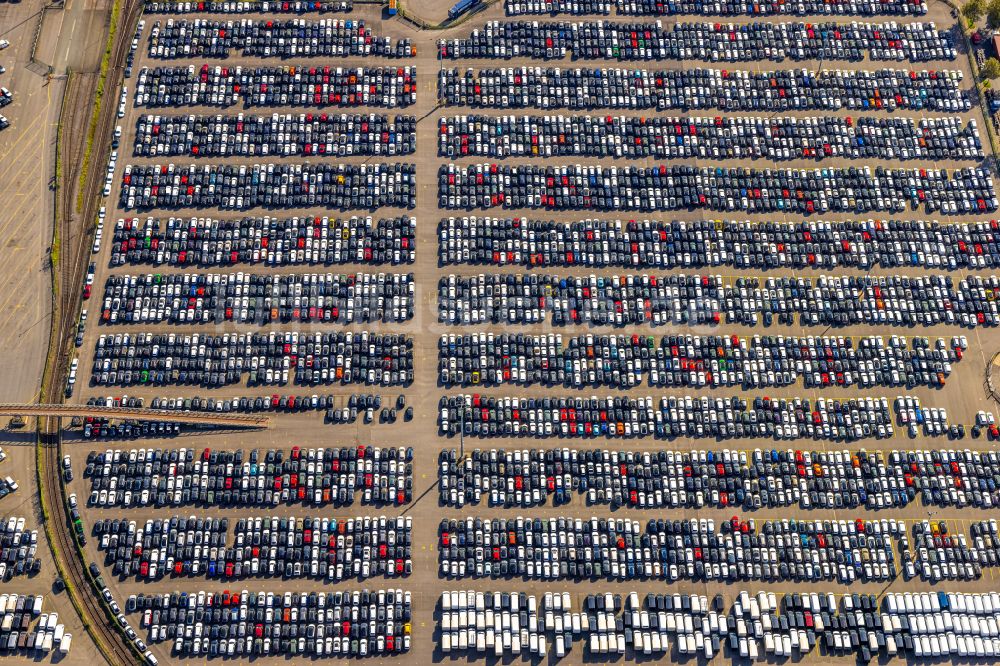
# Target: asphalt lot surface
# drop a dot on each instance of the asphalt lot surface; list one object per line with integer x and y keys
{"x": 26, "y": 167}
{"x": 963, "y": 395}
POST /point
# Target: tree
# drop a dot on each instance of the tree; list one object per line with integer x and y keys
{"x": 993, "y": 14}
{"x": 974, "y": 10}
{"x": 990, "y": 69}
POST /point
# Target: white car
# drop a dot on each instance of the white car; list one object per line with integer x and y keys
{"x": 4, "y": 44}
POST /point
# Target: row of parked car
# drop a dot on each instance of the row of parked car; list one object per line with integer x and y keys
{"x": 690, "y": 417}
{"x": 103, "y": 428}
{"x": 99, "y": 427}
{"x": 716, "y": 7}
{"x": 666, "y": 188}
{"x": 337, "y": 409}
{"x": 206, "y": 241}
{"x": 247, "y": 6}
{"x": 715, "y": 42}
{"x": 598, "y": 548}
{"x": 329, "y": 549}
{"x": 749, "y": 480}
{"x": 229, "y": 624}
{"x": 257, "y": 298}
{"x": 619, "y": 300}
{"x": 901, "y": 624}
{"x": 124, "y": 625}
{"x": 864, "y": 244}
{"x": 624, "y": 362}
{"x": 18, "y": 547}
{"x": 741, "y": 137}
{"x": 130, "y": 56}
{"x": 290, "y": 85}
{"x": 264, "y": 358}
{"x": 333, "y": 135}
{"x": 273, "y": 403}
{"x": 18, "y": 638}
{"x": 366, "y": 406}
{"x": 283, "y": 185}
{"x": 532, "y": 86}
{"x": 267, "y": 38}
{"x": 761, "y": 626}
{"x": 942, "y": 555}
{"x": 339, "y": 476}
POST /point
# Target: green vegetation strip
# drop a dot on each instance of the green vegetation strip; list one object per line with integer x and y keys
{"x": 972, "y": 11}
{"x": 59, "y": 130}
{"x": 54, "y": 258}
{"x": 98, "y": 102}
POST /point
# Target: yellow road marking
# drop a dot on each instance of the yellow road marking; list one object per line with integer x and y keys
{"x": 24, "y": 275}
{"x": 40, "y": 117}
{"x": 28, "y": 132}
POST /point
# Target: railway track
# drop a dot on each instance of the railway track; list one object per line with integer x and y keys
{"x": 95, "y": 614}
{"x": 74, "y": 270}
{"x": 112, "y": 643}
